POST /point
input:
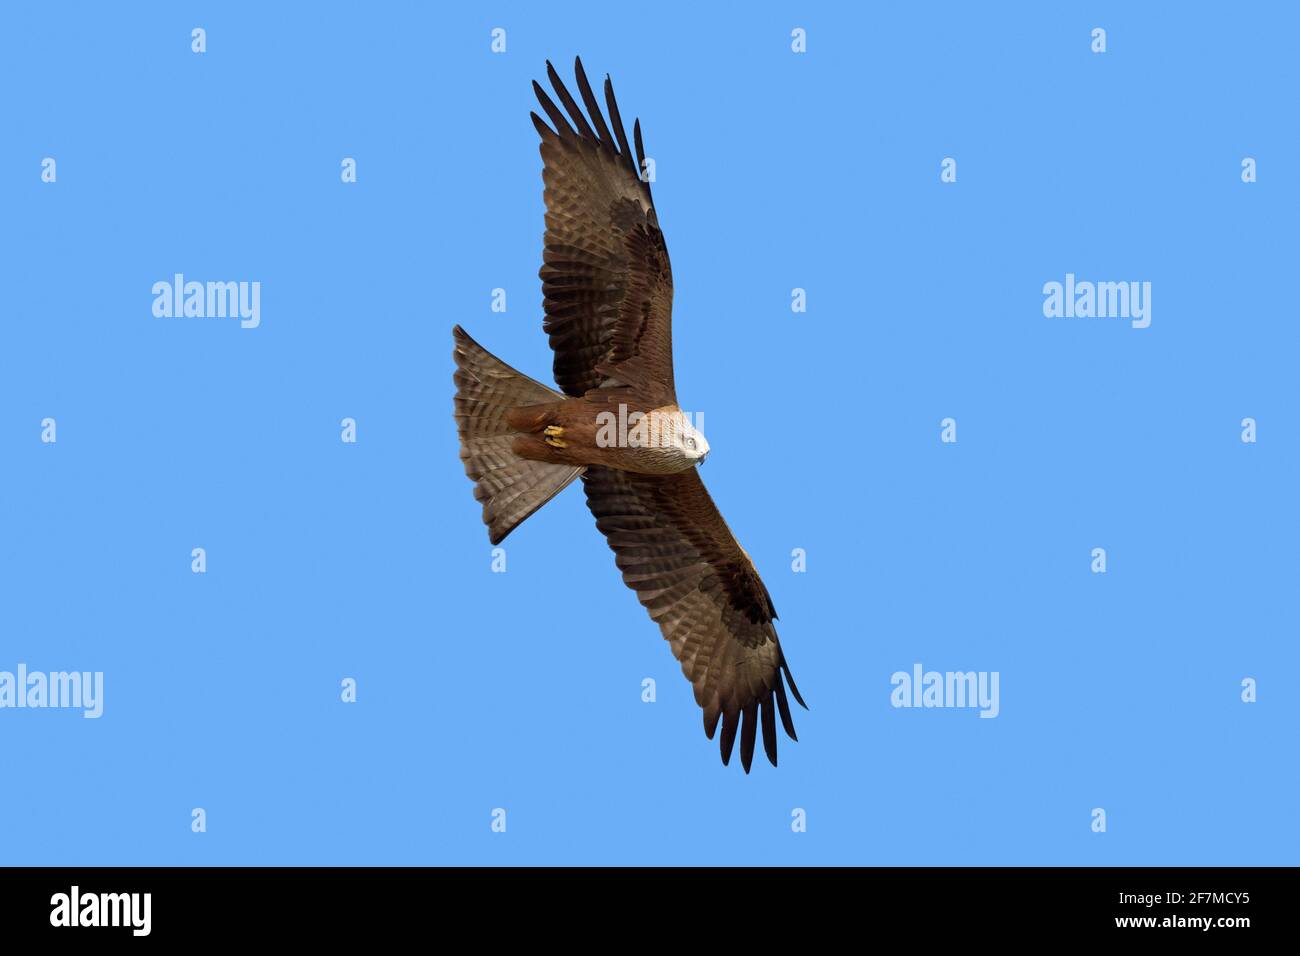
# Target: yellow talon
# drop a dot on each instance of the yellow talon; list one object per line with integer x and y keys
{"x": 553, "y": 433}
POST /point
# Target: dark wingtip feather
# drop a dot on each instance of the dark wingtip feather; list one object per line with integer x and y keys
{"x": 711, "y": 722}
{"x": 642, "y": 172}
{"x": 625, "y": 151}
{"x": 748, "y": 732}
{"x": 793, "y": 689}
{"x": 783, "y": 706}
{"x": 640, "y": 147}
{"x": 542, "y": 129}
{"x": 730, "y": 721}
{"x": 769, "y": 728}
{"x": 636, "y": 138}
{"x": 566, "y": 98}
{"x": 593, "y": 107}
{"x": 557, "y": 118}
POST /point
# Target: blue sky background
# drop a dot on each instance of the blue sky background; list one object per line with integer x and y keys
{"x": 522, "y": 690}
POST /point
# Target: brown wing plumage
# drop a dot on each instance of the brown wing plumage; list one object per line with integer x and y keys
{"x": 698, "y": 584}
{"x": 606, "y": 278}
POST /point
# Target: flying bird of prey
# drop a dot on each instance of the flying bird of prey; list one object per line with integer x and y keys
{"x": 608, "y": 292}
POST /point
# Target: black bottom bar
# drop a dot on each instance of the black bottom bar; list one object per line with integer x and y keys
{"x": 378, "y": 904}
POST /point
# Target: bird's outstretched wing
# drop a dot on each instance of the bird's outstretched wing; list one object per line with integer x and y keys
{"x": 605, "y": 276}
{"x": 698, "y": 584}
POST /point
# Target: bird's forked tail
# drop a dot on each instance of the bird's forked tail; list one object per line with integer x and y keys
{"x": 511, "y": 488}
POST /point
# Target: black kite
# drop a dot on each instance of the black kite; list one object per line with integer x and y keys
{"x": 608, "y": 290}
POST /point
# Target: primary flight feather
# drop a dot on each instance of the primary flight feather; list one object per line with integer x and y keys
{"x": 608, "y": 289}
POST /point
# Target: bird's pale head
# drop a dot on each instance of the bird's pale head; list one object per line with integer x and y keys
{"x": 677, "y": 441}
{"x": 661, "y": 441}
{"x": 695, "y": 445}
{"x": 689, "y": 440}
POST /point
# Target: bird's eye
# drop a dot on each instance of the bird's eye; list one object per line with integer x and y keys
{"x": 690, "y": 444}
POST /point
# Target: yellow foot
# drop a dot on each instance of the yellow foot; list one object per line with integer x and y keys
{"x": 554, "y": 437}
